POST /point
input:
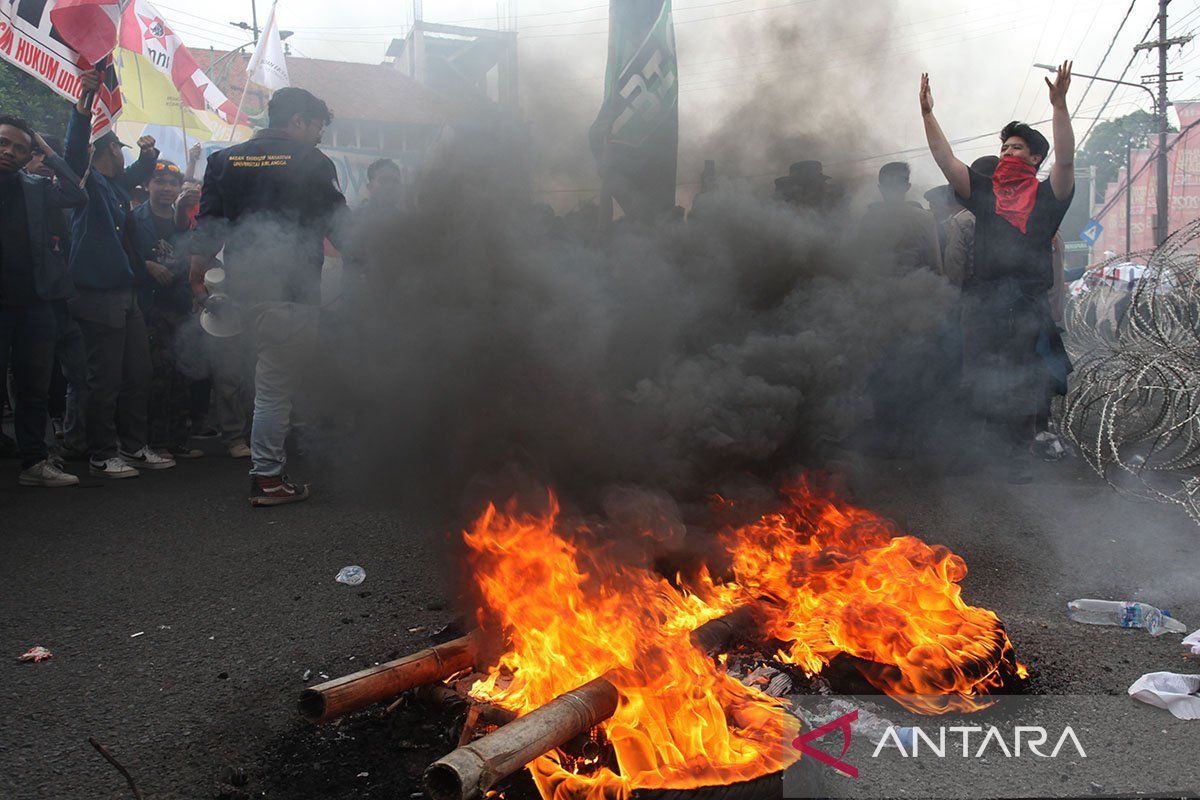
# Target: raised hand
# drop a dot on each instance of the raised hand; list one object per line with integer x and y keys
{"x": 1060, "y": 85}
{"x": 89, "y": 83}
{"x": 40, "y": 144}
{"x": 926, "y": 94}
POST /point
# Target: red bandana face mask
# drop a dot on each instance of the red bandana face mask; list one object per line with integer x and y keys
{"x": 1015, "y": 185}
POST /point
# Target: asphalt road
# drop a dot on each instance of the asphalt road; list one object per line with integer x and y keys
{"x": 183, "y": 622}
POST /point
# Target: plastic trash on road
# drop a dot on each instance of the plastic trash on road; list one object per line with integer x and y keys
{"x": 1124, "y": 615}
{"x": 35, "y": 654}
{"x": 1191, "y": 643}
{"x": 352, "y": 576}
{"x": 1179, "y": 694}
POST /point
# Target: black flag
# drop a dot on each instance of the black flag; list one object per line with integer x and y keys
{"x": 636, "y": 136}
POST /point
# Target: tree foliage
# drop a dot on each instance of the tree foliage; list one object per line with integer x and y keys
{"x": 23, "y": 95}
{"x": 1105, "y": 147}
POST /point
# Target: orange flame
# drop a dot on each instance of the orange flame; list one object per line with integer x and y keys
{"x": 846, "y": 581}
{"x": 835, "y": 579}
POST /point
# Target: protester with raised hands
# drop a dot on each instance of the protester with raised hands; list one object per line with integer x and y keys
{"x": 1006, "y": 310}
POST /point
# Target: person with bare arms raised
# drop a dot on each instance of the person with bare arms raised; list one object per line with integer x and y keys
{"x": 1006, "y": 309}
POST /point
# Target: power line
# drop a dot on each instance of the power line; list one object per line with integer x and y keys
{"x": 951, "y": 40}
{"x": 1083, "y": 139}
{"x": 1107, "y": 52}
{"x": 853, "y": 42}
{"x": 681, "y": 22}
{"x": 1036, "y": 47}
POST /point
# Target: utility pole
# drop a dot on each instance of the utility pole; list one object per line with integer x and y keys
{"x": 1162, "y": 200}
{"x": 1128, "y": 193}
{"x": 254, "y": 18}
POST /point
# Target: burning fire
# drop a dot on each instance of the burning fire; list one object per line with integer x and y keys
{"x": 829, "y": 579}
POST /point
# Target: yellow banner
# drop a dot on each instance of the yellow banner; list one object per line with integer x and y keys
{"x": 152, "y": 99}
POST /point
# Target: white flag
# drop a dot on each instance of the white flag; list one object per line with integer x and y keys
{"x": 267, "y": 66}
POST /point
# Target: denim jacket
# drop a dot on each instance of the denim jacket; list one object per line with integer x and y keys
{"x": 99, "y": 255}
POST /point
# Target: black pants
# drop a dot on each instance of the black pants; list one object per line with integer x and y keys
{"x": 28, "y": 334}
{"x": 170, "y": 394}
{"x": 1001, "y": 327}
{"x": 118, "y": 378}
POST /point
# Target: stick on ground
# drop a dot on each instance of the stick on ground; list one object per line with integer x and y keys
{"x": 109, "y": 758}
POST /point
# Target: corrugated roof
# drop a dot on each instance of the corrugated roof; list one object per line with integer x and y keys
{"x": 377, "y": 92}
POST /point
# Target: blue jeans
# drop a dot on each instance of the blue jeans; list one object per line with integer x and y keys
{"x": 27, "y": 342}
{"x": 285, "y": 337}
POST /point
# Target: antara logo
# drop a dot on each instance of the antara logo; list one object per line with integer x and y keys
{"x": 1031, "y": 737}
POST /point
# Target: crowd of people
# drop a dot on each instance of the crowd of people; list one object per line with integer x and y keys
{"x": 104, "y": 266}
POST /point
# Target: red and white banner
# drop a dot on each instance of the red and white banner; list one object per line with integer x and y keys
{"x": 144, "y": 31}
{"x": 29, "y": 41}
{"x": 1183, "y": 174}
{"x": 88, "y": 26}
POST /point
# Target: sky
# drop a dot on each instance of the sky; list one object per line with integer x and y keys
{"x": 979, "y": 55}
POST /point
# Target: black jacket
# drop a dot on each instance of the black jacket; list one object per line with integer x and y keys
{"x": 272, "y": 202}
{"x": 44, "y": 201}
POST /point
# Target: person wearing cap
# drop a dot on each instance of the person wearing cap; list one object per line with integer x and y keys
{"x": 1016, "y": 218}
{"x": 805, "y": 186}
{"x": 103, "y": 270}
{"x": 32, "y": 269}
{"x": 165, "y": 299}
{"x": 271, "y": 202}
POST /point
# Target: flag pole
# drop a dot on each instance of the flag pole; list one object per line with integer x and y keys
{"x": 606, "y": 198}
{"x": 183, "y": 128}
{"x": 238, "y": 114}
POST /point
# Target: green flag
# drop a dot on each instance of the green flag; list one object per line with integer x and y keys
{"x": 636, "y": 136}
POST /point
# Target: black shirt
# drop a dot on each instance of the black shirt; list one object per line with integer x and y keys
{"x": 165, "y": 231}
{"x": 1002, "y": 252}
{"x": 272, "y": 201}
{"x": 17, "y": 287}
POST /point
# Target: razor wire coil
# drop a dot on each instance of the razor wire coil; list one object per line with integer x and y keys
{"x": 1132, "y": 410}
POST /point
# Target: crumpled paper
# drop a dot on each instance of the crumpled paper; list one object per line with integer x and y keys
{"x": 1192, "y": 643}
{"x": 1179, "y": 694}
{"x": 35, "y": 654}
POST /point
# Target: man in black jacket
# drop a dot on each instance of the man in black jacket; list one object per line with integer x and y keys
{"x": 32, "y": 265}
{"x": 105, "y": 306}
{"x": 272, "y": 201}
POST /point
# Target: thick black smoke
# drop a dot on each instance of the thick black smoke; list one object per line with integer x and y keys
{"x": 492, "y": 332}
{"x": 489, "y": 332}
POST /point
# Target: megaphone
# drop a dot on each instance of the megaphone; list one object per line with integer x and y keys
{"x": 220, "y": 317}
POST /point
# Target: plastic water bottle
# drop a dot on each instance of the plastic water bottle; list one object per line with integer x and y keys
{"x": 1125, "y": 615}
{"x": 352, "y": 576}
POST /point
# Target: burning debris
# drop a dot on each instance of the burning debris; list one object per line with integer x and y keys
{"x": 597, "y": 672}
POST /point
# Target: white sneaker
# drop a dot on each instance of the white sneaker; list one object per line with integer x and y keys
{"x": 239, "y": 450}
{"x": 148, "y": 459}
{"x": 112, "y": 468}
{"x": 46, "y": 474}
